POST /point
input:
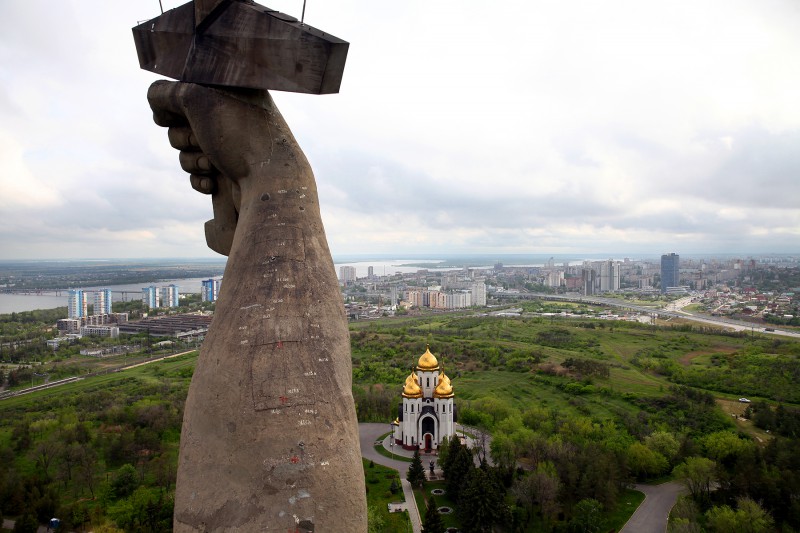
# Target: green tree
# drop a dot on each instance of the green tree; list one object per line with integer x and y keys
{"x": 587, "y": 516}
{"x": 443, "y": 449}
{"x": 664, "y": 443}
{"x": 698, "y": 474}
{"x": 125, "y": 481}
{"x": 724, "y": 446}
{"x": 748, "y": 518}
{"x": 459, "y": 465}
{"x": 416, "y": 472}
{"x": 644, "y": 462}
{"x": 395, "y": 486}
{"x": 433, "y": 522}
{"x": 480, "y": 502}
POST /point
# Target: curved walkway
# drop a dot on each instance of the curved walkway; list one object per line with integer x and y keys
{"x": 369, "y": 434}
{"x": 652, "y": 514}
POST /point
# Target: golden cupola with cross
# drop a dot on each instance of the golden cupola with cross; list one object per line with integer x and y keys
{"x": 412, "y": 389}
{"x": 427, "y": 413}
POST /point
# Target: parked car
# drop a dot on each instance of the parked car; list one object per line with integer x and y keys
{"x": 744, "y": 400}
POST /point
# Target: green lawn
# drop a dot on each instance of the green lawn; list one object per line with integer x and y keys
{"x": 629, "y": 501}
{"x": 450, "y": 520}
{"x": 381, "y": 450}
{"x": 378, "y": 480}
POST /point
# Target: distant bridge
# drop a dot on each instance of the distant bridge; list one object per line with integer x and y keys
{"x": 59, "y": 292}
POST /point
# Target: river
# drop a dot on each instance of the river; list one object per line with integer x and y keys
{"x": 10, "y": 303}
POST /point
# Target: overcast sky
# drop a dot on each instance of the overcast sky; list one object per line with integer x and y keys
{"x": 536, "y": 127}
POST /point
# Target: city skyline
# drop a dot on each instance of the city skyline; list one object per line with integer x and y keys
{"x": 623, "y": 129}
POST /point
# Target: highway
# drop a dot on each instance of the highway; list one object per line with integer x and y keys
{"x": 672, "y": 310}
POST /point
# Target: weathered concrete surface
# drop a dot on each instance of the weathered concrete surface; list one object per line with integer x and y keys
{"x": 270, "y": 438}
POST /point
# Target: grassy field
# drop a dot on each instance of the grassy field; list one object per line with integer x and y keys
{"x": 501, "y": 356}
{"x": 378, "y": 480}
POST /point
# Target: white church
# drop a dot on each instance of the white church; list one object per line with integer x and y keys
{"x": 427, "y": 413}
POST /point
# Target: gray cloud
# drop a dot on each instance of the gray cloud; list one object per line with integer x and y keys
{"x": 593, "y": 130}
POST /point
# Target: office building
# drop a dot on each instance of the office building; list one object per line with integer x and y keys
{"x": 670, "y": 272}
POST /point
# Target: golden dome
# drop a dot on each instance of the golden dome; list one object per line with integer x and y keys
{"x": 444, "y": 389}
{"x": 412, "y": 388}
{"x": 427, "y": 361}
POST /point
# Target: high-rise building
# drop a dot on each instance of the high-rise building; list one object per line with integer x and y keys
{"x": 102, "y": 302}
{"x": 588, "y": 279}
{"x": 169, "y": 296}
{"x": 479, "y": 294}
{"x": 670, "y": 271}
{"x": 371, "y": 272}
{"x": 77, "y": 306}
{"x": 150, "y": 297}
{"x": 210, "y": 290}
{"x": 609, "y": 276}
{"x": 347, "y": 274}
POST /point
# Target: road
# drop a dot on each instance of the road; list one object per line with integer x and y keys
{"x": 368, "y": 435}
{"x": 91, "y": 374}
{"x": 735, "y": 325}
{"x": 652, "y": 515}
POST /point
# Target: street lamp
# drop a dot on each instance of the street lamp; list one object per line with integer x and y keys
{"x": 391, "y": 439}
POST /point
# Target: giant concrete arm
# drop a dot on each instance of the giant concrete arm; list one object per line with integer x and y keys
{"x": 269, "y": 439}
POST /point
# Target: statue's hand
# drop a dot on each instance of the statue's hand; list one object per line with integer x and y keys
{"x": 216, "y": 132}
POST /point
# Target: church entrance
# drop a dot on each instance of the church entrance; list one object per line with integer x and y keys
{"x": 428, "y": 428}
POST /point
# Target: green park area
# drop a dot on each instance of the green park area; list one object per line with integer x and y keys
{"x": 577, "y": 410}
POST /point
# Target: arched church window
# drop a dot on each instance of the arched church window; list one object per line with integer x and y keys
{"x": 412, "y": 407}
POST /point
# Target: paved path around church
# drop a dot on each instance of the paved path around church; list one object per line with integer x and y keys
{"x": 652, "y": 514}
{"x": 369, "y": 435}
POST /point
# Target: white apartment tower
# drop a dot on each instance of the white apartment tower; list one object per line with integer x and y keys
{"x": 151, "y": 297}
{"x": 77, "y": 306}
{"x": 479, "y": 294}
{"x": 347, "y": 274}
{"x": 170, "y": 296}
{"x": 102, "y": 302}
{"x": 609, "y": 276}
